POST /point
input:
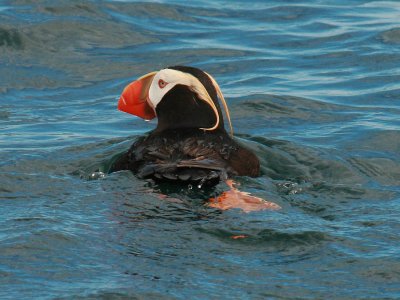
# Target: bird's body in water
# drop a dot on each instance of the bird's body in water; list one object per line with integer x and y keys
{"x": 190, "y": 143}
{"x": 192, "y": 156}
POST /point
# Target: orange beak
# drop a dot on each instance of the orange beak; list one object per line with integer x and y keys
{"x": 135, "y": 98}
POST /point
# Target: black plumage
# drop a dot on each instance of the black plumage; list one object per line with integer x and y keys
{"x": 179, "y": 150}
{"x": 189, "y": 155}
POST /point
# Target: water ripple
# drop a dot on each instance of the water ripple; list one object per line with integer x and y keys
{"x": 313, "y": 89}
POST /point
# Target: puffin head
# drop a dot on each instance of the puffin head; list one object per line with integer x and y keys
{"x": 179, "y": 96}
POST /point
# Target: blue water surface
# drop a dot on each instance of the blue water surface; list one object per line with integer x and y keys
{"x": 313, "y": 88}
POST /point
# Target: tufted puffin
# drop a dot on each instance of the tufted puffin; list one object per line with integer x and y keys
{"x": 190, "y": 144}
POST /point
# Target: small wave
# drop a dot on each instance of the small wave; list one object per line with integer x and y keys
{"x": 272, "y": 238}
{"x": 391, "y": 36}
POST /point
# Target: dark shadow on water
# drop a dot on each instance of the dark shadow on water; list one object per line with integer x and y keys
{"x": 10, "y": 38}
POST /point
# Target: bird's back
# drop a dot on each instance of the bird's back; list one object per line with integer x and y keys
{"x": 189, "y": 156}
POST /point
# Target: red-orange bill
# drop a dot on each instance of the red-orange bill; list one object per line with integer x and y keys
{"x": 134, "y": 98}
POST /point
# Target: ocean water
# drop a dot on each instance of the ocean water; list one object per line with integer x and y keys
{"x": 314, "y": 89}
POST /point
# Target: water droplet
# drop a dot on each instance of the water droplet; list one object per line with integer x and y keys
{"x": 97, "y": 175}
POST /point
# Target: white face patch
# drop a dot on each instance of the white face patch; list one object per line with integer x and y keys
{"x": 164, "y": 81}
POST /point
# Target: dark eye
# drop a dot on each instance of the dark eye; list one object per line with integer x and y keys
{"x": 161, "y": 83}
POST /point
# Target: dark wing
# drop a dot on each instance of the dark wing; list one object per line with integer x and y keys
{"x": 188, "y": 161}
{"x": 244, "y": 162}
{"x": 126, "y": 161}
{"x": 201, "y": 158}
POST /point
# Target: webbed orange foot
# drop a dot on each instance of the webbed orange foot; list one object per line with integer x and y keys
{"x": 243, "y": 200}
